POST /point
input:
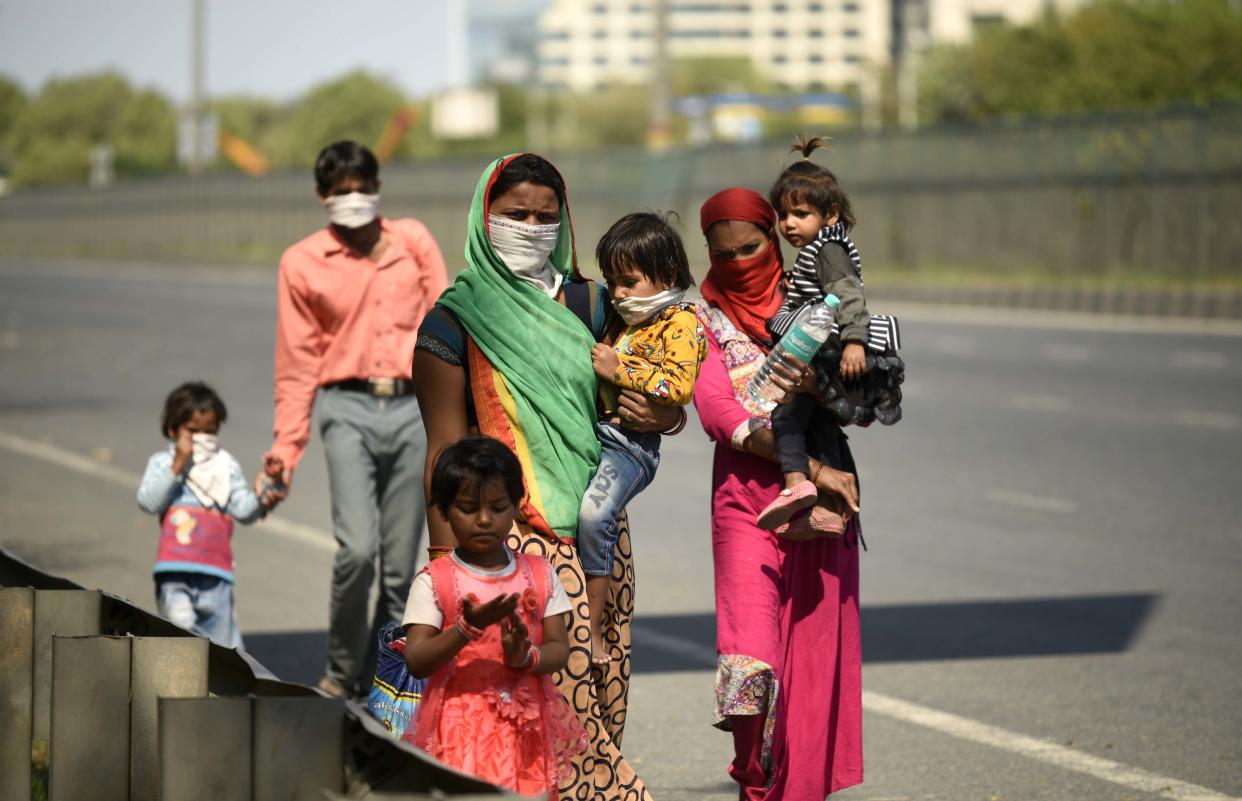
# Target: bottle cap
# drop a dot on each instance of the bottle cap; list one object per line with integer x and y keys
{"x": 832, "y": 301}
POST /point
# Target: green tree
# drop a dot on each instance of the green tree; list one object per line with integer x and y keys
{"x": 12, "y": 101}
{"x": 1113, "y": 54}
{"x": 256, "y": 120}
{"x": 356, "y": 106}
{"x": 55, "y": 132}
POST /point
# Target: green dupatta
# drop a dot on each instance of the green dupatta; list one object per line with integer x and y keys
{"x": 534, "y": 387}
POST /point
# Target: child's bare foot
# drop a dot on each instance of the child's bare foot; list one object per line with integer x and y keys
{"x": 600, "y": 654}
{"x": 597, "y": 603}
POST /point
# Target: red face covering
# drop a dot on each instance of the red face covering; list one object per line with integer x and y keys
{"x": 748, "y": 291}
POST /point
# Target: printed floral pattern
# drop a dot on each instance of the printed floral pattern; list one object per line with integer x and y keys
{"x": 660, "y": 358}
{"x": 747, "y": 686}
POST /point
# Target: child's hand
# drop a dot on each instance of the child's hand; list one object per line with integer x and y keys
{"x": 483, "y": 615}
{"x": 604, "y": 361}
{"x": 853, "y": 361}
{"x": 515, "y": 638}
{"x": 183, "y": 450}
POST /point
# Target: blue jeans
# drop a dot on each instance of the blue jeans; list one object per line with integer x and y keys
{"x": 201, "y": 603}
{"x": 627, "y": 464}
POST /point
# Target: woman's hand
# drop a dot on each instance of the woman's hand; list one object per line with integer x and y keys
{"x": 840, "y": 485}
{"x": 483, "y": 615}
{"x": 640, "y": 413}
{"x": 515, "y": 638}
{"x": 794, "y": 381}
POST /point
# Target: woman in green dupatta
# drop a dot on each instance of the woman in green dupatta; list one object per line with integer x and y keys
{"x": 506, "y": 353}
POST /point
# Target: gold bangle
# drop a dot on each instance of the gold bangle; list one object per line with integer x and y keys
{"x": 438, "y": 551}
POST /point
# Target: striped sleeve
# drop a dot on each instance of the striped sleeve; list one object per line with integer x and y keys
{"x": 159, "y": 486}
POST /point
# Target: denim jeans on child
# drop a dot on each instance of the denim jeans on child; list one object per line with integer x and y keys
{"x": 201, "y": 603}
{"x": 627, "y": 464}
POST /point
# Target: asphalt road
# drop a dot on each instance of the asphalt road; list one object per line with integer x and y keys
{"x": 1051, "y": 605}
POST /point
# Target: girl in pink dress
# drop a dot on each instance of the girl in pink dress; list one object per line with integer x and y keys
{"x": 486, "y": 627}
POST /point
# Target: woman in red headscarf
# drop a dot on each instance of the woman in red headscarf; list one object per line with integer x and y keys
{"x": 789, "y": 663}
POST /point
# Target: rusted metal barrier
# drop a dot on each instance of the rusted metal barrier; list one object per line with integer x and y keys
{"x": 103, "y": 700}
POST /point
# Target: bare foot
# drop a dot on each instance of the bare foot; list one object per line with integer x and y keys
{"x": 600, "y": 654}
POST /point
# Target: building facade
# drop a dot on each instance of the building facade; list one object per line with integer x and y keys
{"x": 801, "y": 44}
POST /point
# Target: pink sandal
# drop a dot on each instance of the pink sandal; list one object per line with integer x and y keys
{"x": 818, "y": 522}
{"x": 791, "y": 501}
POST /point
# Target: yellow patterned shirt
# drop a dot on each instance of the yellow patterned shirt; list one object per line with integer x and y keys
{"x": 659, "y": 357}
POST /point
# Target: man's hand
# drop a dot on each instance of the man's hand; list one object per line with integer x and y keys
{"x": 515, "y": 638}
{"x": 183, "y": 450}
{"x": 604, "y": 361}
{"x": 483, "y": 615}
{"x": 853, "y": 361}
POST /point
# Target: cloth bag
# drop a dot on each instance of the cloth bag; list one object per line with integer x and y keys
{"x": 395, "y": 694}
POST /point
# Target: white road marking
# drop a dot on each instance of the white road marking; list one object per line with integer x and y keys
{"x": 1039, "y": 750}
{"x": 982, "y": 733}
{"x": 307, "y": 535}
{"x": 1200, "y": 359}
{"x": 1065, "y": 352}
{"x": 1035, "y": 402}
{"x": 1037, "y": 503}
{"x": 876, "y": 703}
{"x": 1222, "y": 420}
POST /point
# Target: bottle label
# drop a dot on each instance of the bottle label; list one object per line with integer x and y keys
{"x": 800, "y": 344}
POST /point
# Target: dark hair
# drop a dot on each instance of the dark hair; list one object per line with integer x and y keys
{"x": 184, "y": 401}
{"x": 480, "y": 459}
{"x": 648, "y": 242}
{"x": 344, "y": 159}
{"x": 807, "y": 182}
{"x": 529, "y": 168}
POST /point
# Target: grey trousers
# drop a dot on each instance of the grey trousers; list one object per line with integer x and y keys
{"x": 376, "y": 448}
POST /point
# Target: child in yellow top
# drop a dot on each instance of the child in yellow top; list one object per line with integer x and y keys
{"x": 658, "y": 354}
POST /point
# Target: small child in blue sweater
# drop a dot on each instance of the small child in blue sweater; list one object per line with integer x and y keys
{"x": 198, "y": 491}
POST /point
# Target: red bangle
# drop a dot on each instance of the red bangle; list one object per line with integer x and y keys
{"x": 438, "y": 551}
{"x": 531, "y": 662}
{"x": 468, "y": 631}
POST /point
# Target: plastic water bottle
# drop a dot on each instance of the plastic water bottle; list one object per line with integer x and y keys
{"x": 801, "y": 342}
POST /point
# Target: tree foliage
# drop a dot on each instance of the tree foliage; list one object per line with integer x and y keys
{"x": 55, "y": 132}
{"x": 356, "y": 106}
{"x": 1113, "y": 54}
{"x": 12, "y": 101}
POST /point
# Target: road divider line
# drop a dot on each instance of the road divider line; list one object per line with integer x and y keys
{"x": 84, "y": 465}
{"x": 1039, "y": 750}
{"x": 1038, "y": 503}
{"x": 976, "y": 731}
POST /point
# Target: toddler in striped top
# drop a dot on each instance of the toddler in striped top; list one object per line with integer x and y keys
{"x": 813, "y": 214}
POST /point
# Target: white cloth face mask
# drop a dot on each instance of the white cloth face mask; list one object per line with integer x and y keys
{"x": 525, "y": 250}
{"x": 634, "y": 310}
{"x": 353, "y": 210}
{"x": 210, "y": 473}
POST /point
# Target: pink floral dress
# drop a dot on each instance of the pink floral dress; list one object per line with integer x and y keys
{"x": 478, "y": 715}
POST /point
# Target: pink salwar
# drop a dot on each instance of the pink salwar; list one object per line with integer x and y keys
{"x": 786, "y": 615}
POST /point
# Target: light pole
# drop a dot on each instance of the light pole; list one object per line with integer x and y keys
{"x": 658, "y": 131}
{"x": 196, "y": 86}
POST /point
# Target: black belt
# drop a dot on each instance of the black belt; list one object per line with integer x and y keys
{"x": 379, "y": 387}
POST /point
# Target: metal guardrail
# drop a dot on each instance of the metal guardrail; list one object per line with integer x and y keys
{"x": 102, "y": 700}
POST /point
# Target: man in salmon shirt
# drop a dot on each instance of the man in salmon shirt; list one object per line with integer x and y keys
{"x": 350, "y": 299}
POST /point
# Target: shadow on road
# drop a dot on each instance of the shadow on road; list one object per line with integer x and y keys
{"x": 906, "y": 633}
{"x": 292, "y": 655}
{"x": 919, "y": 632}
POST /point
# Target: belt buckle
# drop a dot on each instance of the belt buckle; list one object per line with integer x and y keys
{"x": 384, "y": 387}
